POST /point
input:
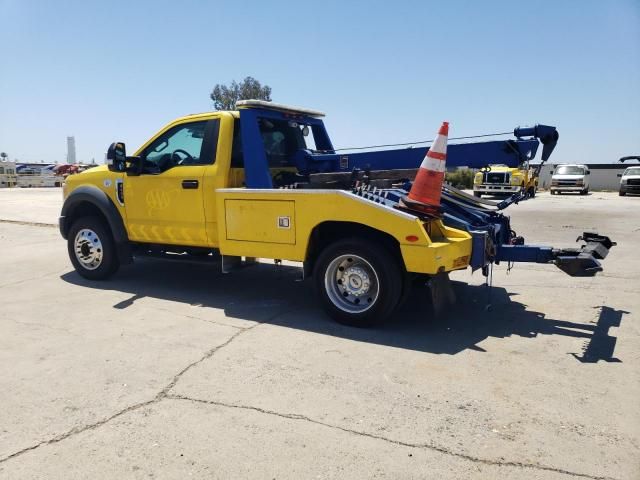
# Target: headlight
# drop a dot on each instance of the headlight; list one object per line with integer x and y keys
{"x": 477, "y": 178}
{"x": 623, "y": 181}
{"x": 516, "y": 179}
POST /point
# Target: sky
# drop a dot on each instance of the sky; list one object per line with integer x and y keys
{"x": 384, "y": 72}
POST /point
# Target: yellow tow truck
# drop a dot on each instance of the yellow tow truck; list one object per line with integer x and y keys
{"x": 501, "y": 180}
{"x": 265, "y": 182}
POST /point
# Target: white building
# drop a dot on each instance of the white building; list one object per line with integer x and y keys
{"x": 8, "y": 176}
{"x": 71, "y": 150}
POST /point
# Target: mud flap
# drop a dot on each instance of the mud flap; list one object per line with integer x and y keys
{"x": 442, "y": 294}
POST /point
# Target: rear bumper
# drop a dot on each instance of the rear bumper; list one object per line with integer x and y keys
{"x": 444, "y": 256}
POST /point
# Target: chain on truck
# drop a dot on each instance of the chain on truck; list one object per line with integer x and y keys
{"x": 265, "y": 182}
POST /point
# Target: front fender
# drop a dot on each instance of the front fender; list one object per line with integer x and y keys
{"x": 94, "y": 198}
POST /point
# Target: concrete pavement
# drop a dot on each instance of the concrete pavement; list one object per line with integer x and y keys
{"x": 173, "y": 370}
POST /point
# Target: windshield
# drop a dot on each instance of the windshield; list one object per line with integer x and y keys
{"x": 569, "y": 170}
{"x": 632, "y": 171}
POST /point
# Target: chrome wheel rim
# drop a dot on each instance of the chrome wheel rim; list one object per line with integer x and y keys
{"x": 351, "y": 283}
{"x": 88, "y": 249}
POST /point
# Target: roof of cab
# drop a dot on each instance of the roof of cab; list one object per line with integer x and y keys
{"x": 257, "y": 104}
{"x": 263, "y": 104}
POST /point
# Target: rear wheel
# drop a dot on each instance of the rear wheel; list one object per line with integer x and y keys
{"x": 532, "y": 192}
{"x": 91, "y": 249}
{"x": 358, "y": 282}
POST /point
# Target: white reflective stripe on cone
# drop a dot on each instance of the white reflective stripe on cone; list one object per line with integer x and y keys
{"x": 433, "y": 164}
{"x": 439, "y": 144}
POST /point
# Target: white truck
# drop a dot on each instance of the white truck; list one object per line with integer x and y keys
{"x": 630, "y": 181}
{"x": 570, "y": 178}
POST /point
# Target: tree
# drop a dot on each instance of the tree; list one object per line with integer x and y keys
{"x": 225, "y": 96}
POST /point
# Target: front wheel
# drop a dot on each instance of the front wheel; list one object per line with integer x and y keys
{"x": 359, "y": 282}
{"x": 91, "y": 249}
{"x": 622, "y": 193}
{"x": 477, "y": 194}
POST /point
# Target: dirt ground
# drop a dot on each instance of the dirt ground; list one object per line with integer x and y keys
{"x": 174, "y": 370}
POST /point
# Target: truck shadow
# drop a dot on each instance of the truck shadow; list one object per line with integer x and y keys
{"x": 275, "y": 295}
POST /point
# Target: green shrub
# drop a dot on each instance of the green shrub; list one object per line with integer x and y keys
{"x": 462, "y": 178}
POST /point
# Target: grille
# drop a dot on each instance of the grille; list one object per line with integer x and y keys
{"x": 567, "y": 183}
{"x": 633, "y": 181}
{"x": 496, "y": 177}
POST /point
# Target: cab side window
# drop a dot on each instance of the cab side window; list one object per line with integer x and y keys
{"x": 181, "y": 145}
{"x": 281, "y": 139}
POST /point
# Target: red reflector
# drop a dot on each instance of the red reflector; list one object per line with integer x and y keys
{"x": 411, "y": 238}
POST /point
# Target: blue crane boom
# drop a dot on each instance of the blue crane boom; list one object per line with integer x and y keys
{"x": 512, "y": 153}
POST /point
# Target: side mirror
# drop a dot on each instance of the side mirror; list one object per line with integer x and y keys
{"x": 551, "y": 172}
{"x": 619, "y": 174}
{"x": 117, "y": 160}
{"x": 305, "y": 131}
{"x": 588, "y": 172}
{"x": 117, "y": 157}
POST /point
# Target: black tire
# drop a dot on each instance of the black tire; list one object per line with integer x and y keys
{"x": 108, "y": 263}
{"x": 477, "y": 194}
{"x": 622, "y": 193}
{"x": 385, "y": 269}
{"x": 532, "y": 192}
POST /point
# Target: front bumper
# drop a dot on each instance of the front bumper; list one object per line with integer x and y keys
{"x": 489, "y": 188}
{"x": 630, "y": 188}
{"x": 567, "y": 188}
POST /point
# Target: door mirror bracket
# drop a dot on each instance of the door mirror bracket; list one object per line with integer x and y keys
{"x": 134, "y": 166}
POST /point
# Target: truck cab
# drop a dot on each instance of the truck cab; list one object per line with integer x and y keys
{"x": 570, "y": 178}
{"x": 500, "y": 180}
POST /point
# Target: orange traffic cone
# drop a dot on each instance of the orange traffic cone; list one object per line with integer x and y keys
{"x": 427, "y": 186}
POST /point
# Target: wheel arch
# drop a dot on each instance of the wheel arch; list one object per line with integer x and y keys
{"x": 91, "y": 201}
{"x": 329, "y": 232}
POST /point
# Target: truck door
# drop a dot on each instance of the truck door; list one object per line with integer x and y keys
{"x": 165, "y": 203}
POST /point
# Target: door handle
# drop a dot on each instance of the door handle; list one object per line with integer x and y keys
{"x": 190, "y": 184}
